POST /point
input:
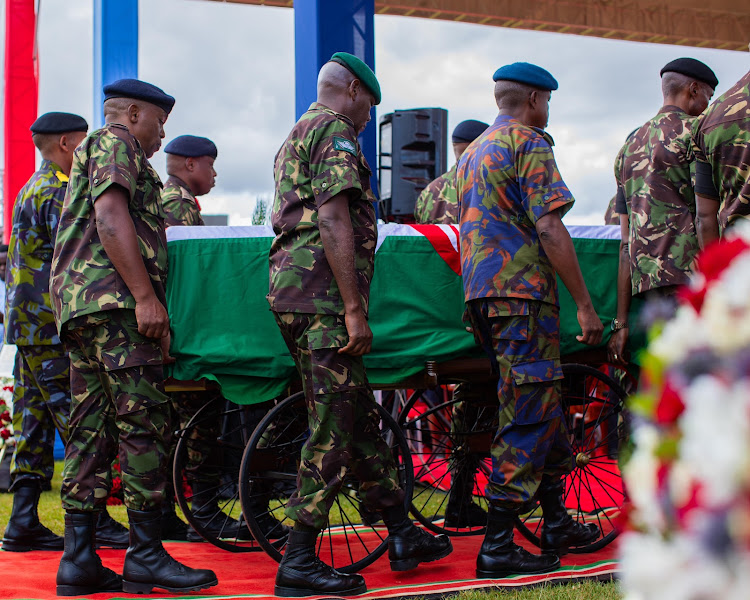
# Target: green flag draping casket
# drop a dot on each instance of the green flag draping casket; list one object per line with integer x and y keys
{"x": 223, "y": 330}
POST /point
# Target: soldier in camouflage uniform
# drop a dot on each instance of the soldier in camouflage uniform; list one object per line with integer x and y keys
{"x": 41, "y": 394}
{"x": 437, "y": 204}
{"x": 513, "y": 242}
{"x": 655, "y": 199}
{"x": 321, "y": 265}
{"x": 721, "y": 141}
{"x": 108, "y": 295}
{"x": 190, "y": 166}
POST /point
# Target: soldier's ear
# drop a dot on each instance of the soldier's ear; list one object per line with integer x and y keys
{"x": 354, "y": 88}
{"x": 134, "y": 113}
{"x": 190, "y": 163}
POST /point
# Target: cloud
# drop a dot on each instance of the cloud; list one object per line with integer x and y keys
{"x": 231, "y": 68}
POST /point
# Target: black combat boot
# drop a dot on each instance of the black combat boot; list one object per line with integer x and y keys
{"x": 302, "y": 573}
{"x": 499, "y": 556}
{"x": 172, "y": 527}
{"x": 560, "y": 531}
{"x": 24, "y": 531}
{"x": 147, "y": 564}
{"x": 211, "y": 519}
{"x": 81, "y": 571}
{"x": 461, "y": 510}
{"x": 110, "y": 533}
{"x": 408, "y": 545}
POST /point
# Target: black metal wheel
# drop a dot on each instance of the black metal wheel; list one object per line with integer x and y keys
{"x": 206, "y": 472}
{"x": 449, "y": 440}
{"x": 593, "y": 408}
{"x": 354, "y": 537}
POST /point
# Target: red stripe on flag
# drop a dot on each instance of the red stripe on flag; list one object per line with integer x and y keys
{"x": 442, "y": 244}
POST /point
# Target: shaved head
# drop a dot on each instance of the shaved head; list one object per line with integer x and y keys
{"x": 673, "y": 83}
{"x": 118, "y": 106}
{"x": 46, "y": 141}
{"x": 334, "y": 79}
{"x": 511, "y": 95}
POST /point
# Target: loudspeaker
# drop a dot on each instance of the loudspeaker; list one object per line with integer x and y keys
{"x": 413, "y": 152}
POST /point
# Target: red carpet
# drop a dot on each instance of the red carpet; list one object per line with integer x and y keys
{"x": 31, "y": 575}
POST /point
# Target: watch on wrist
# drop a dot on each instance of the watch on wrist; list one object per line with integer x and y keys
{"x": 616, "y": 324}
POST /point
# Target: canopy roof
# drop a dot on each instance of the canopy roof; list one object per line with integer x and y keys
{"x": 704, "y": 23}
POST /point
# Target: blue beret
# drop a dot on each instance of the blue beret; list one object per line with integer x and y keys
{"x": 524, "y": 72}
{"x": 691, "y": 68}
{"x": 59, "y": 122}
{"x": 139, "y": 90}
{"x": 191, "y": 145}
{"x": 468, "y": 131}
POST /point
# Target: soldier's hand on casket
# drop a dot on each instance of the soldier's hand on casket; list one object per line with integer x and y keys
{"x": 360, "y": 334}
{"x": 591, "y": 326}
{"x": 167, "y": 358}
{"x": 152, "y": 317}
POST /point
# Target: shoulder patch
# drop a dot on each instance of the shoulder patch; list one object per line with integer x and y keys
{"x": 340, "y": 143}
{"x": 62, "y": 176}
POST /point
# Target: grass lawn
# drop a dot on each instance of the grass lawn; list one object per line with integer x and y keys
{"x": 51, "y": 515}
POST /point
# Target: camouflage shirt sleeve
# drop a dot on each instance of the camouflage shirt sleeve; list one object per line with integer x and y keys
{"x": 542, "y": 188}
{"x": 334, "y": 162}
{"x": 116, "y": 163}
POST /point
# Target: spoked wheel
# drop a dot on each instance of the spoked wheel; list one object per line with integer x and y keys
{"x": 354, "y": 537}
{"x": 206, "y": 472}
{"x": 593, "y": 408}
{"x": 449, "y": 441}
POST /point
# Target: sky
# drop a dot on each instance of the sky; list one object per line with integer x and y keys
{"x": 231, "y": 69}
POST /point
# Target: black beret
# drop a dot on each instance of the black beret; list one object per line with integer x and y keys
{"x": 468, "y": 131}
{"x": 691, "y": 68}
{"x": 524, "y": 72}
{"x": 139, "y": 90}
{"x": 59, "y": 122}
{"x": 191, "y": 145}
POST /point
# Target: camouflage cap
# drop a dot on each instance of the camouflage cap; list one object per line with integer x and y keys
{"x": 361, "y": 71}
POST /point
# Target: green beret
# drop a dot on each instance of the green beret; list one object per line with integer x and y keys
{"x": 360, "y": 70}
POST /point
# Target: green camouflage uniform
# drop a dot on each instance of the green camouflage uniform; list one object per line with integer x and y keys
{"x": 116, "y": 373}
{"x": 438, "y": 203}
{"x": 179, "y": 204}
{"x": 654, "y": 172}
{"x": 722, "y": 139}
{"x": 41, "y": 393}
{"x": 610, "y": 216}
{"x": 320, "y": 159}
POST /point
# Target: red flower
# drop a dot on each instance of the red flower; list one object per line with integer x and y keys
{"x": 712, "y": 262}
{"x": 5, "y": 417}
{"x": 5, "y": 433}
{"x": 670, "y": 405}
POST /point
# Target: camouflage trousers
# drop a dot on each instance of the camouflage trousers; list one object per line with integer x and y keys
{"x": 202, "y": 450}
{"x": 41, "y": 405}
{"x": 344, "y": 426}
{"x": 117, "y": 402}
{"x": 522, "y": 339}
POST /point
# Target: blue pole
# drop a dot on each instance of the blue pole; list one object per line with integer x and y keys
{"x": 321, "y": 28}
{"x": 115, "y": 47}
